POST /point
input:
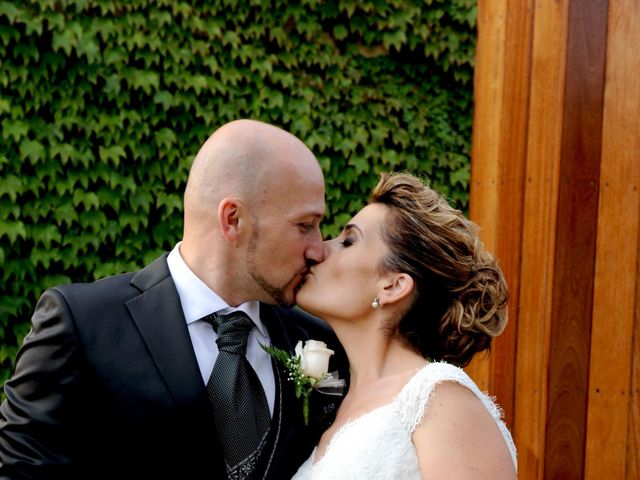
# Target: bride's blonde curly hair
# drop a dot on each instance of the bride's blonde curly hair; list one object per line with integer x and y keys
{"x": 459, "y": 303}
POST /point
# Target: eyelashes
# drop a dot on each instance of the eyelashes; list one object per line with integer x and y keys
{"x": 347, "y": 242}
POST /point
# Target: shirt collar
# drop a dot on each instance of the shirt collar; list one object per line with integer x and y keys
{"x": 198, "y": 299}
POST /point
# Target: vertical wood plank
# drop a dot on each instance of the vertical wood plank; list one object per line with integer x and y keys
{"x": 633, "y": 437}
{"x": 487, "y": 118}
{"x": 510, "y": 191}
{"x": 617, "y": 250}
{"x": 538, "y": 240}
{"x": 575, "y": 243}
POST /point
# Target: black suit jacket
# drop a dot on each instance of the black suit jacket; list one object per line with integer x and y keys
{"x": 106, "y": 385}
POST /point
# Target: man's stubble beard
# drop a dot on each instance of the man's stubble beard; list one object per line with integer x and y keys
{"x": 279, "y": 294}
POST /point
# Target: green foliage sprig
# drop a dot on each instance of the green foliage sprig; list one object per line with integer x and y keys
{"x": 104, "y": 104}
{"x": 303, "y": 383}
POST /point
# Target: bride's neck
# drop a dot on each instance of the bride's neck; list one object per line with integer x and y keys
{"x": 373, "y": 354}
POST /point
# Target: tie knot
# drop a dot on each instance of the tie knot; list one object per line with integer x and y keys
{"x": 233, "y": 331}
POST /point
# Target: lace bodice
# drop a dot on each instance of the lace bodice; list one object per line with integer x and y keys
{"x": 377, "y": 445}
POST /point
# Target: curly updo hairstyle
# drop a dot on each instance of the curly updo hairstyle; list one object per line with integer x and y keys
{"x": 460, "y": 296}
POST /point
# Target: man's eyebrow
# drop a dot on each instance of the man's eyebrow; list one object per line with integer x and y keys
{"x": 306, "y": 216}
{"x": 353, "y": 226}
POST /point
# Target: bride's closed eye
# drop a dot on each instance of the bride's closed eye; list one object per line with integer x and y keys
{"x": 347, "y": 242}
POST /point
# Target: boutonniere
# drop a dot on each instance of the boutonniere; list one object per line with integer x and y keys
{"x": 308, "y": 369}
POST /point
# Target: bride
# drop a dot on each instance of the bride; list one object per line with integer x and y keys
{"x": 412, "y": 296}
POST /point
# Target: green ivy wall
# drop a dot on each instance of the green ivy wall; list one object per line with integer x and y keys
{"x": 103, "y": 105}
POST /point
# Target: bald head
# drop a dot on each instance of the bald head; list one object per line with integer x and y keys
{"x": 246, "y": 159}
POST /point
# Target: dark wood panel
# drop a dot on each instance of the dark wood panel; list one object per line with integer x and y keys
{"x": 575, "y": 244}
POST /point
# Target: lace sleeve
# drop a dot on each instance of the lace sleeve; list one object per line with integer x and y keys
{"x": 414, "y": 398}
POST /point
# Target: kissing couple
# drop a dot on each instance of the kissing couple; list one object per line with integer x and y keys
{"x": 166, "y": 372}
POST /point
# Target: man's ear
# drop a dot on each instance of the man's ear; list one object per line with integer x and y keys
{"x": 397, "y": 287}
{"x": 229, "y": 219}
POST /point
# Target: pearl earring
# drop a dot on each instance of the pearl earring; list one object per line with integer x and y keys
{"x": 376, "y": 303}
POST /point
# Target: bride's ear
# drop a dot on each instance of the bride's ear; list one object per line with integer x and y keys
{"x": 397, "y": 287}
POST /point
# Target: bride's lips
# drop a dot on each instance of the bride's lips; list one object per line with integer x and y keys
{"x": 303, "y": 278}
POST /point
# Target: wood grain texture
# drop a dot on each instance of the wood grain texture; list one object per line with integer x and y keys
{"x": 510, "y": 185}
{"x": 488, "y": 91}
{"x": 633, "y": 437}
{"x": 562, "y": 106}
{"x": 610, "y": 380}
{"x": 576, "y": 240}
{"x": 539, "y": 233}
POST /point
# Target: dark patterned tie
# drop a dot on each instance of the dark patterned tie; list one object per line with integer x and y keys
{"x": 240, "y": 405}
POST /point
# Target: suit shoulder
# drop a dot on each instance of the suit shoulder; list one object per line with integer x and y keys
{"x": 99, "y": 288}
{"x": 119, "y": 287}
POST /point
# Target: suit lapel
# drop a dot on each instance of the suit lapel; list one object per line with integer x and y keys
{"x": 280, "y": 338}
{"x": 158, "y": 315}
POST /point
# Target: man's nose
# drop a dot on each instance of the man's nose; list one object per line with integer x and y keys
{"x": 316, "y": 249}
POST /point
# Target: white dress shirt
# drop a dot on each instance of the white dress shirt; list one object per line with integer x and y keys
{"x": 198, "y": 300}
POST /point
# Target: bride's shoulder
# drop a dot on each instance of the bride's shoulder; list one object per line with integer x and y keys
{"x": 433, "y": 373}
{"x": 457, "y": 430}
{"x": 419, "y": 389}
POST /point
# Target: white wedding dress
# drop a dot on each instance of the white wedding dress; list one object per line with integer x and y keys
{"x": 378, "y": 446}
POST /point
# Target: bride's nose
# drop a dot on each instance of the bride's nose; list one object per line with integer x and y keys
{"x": 329, "y": 245}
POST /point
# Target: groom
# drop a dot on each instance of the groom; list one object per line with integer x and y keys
{"x": 115, "y": 380}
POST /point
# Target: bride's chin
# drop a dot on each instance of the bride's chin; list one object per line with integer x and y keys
{"x": 303, "y": 299}
{"x": 300, "y": 301}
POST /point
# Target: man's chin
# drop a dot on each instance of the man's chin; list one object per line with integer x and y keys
{"x": 285, "y": 296}
{"x": 288, "y": 302}
{"x": 291, "y": 296}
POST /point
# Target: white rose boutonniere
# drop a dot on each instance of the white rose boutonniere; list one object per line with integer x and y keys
{"x": 314, "y": 358}
{"x": 308, "y": 369}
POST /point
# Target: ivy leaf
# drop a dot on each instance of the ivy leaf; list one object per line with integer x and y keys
{"x": 340, "y": 32}
{"x": 86, "y": 199}
{"x": 64, "y": 152}
{"x": 112, "y": 85}
{"x": 33, "y": 150}
{"x": 171, "y": 203}
{"x": 44, "y": 235}
{"x": 65, "y": 214}
{"x": 140, "y": 200}
{"x": 16, "y": 130}
{"x": 11, "y": 186}
{"x": 163, "y": 98}
{"x": 5, "y": 106}
{"x": 64, "y": 40}
{"x": 9, "y": 10}
{"x": 54, "y": 280}
{"x": 12, "y": 229}
{"x": 395, "y": 39}
{"x": 460, "y": 177}
{"x": 112, "y": 154}
{"x": 361, "y": 165}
